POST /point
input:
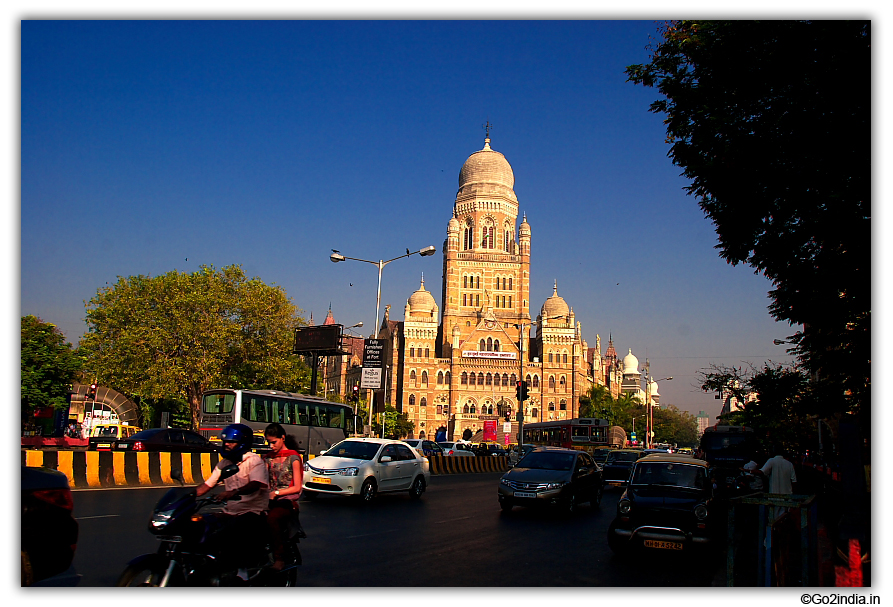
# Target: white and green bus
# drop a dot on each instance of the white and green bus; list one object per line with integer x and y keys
{"x": 316, "y": 423}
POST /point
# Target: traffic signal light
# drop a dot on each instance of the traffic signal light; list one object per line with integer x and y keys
{"x": 356, "y": 392}
{"x": 92, "y": 392}
{"x": 521, "y": 391}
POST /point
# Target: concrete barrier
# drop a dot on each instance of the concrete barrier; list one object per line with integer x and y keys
{"x": 95, "y": 469}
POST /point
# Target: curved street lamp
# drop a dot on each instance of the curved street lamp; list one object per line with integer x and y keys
{"x": 336, "y": 256}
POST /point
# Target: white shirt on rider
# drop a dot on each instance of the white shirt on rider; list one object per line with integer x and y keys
{"x": 251, "y": 468}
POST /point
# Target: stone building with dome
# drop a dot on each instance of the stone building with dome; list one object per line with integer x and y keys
{"x": 456, "y": 365}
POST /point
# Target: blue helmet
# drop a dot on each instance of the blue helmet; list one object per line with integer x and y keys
{"x": 238, "y": 433}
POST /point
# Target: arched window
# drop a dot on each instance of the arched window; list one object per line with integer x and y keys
{"x": 550, "y": 357}
{"x": 480, "y": 379}
{"x": 465, "y": 409}
{"x": 411, "y": 400}
{"x": 563, "y": 382}
{"x": 510, "y": 284}
{"x": 536, "y": 381}
{"x": 513, "y": 378}
{"x": 423, "y": 402}
{"x": 465, "y": 281}
{"x": 464, "y": 299}
{"x": 412, "y": 378}
{"x": 477, "y": 282}
{"x": 468, "y": 235}
{"x": 510, "y": 301}
{"x": 505, "y": 379}
{"x": 483, "y": 346}
{"x": 440, "y": 378}
{"x": 489, "y": 344}
{"x": 440, "y": 409}
{"x": 424, "y": 378}
{"x": 490, "y": 410}
{"x": 464, "y": 379}
{"x": 563, "y": 405}
{"x": 473, "y": 410}
{"x": 551, "y": 382}
{"x": 489, "y": 379}
{"x": 496, "y": 345}
{"x": 504, "y": 282}
{"x": 534, "y": 413}
{"x": 528, "y": 379}
{"x": 412, "y": 352}
{"x": 551, "y": 406}
{"x": 428, "y": 353}
{"x": 447, "y": 378}
{"x": 565, "y": 357}
{"x": 477, "y": 301}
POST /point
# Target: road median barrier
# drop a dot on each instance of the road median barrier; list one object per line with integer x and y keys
{"x": 454, "y": 464}
{"x": 95, "y": 469}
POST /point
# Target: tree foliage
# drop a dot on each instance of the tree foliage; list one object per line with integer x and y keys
{"x": 770, "y": 120}
{"x": 49, "y": 365}
{"x": 785, "y": 410}
{"x": 176, "y": 335}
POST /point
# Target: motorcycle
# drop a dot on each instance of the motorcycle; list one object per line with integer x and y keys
{"x": 189, "y": 553}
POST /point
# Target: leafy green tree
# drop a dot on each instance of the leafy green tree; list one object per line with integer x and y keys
{"x": 771, "y": 122}
{"x": 396, "y": 424}
{"x": 176, "y": 335}
{"x": 674, "y": 426}
{"x": 598, "y": 399}
{"x": 49, "y": 366}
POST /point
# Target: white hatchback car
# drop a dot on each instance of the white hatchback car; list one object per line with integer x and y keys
{"x": 366, "y": 466}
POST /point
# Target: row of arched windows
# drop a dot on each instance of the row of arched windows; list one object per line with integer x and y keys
{"x": 561, "y": 405}
{"x": 470, "y": 379}
{"x": 561, "y": 358}
{"x": 443, "y": 378}
{"x": 471, "y": 281}
{"x": 488, "y": 236}
{"x": 469, "y": 299}
{"x": 490, "y": 345}
{"x": 422, "y": 403}
{"x": 412, "y": 378}
{"x": 503, "y": 301}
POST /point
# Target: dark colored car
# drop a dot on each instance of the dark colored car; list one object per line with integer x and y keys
{"x": 49, "y": 531}
{"x": 666, "y": 506}
{"x": 490, "y": 449}
{"x": 600, "y": 456}
{"x": 166, "y": 439}
{"x": 618, "y": 465}
{"x": 552, "y": 476}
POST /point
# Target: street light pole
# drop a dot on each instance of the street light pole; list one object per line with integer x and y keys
{"x": 336, "y": 256}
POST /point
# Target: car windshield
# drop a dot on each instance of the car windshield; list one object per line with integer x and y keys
{"x": 622, "y": 456}
{"x": 671, "y": 474}
{"x": 544, "y": 460}
{"x": 600, "y": 456}
{"x": 446, "y": 445}
{"x": 413, "y": 443}
{"x": 353, "y": 449}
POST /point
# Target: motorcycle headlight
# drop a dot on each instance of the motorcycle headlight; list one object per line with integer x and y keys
{"x": 350, "y": 471}
{"x": 623, "y": 506}
{"x": 160, "y": 520}
{"x": 700, "y": 512}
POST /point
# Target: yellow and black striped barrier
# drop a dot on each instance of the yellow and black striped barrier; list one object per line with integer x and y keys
{"x": 96, "y": 469}
{"x": 454, "y": 464}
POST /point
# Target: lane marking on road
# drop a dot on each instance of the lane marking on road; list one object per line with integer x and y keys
{"x": 452, "y": 520}
{"x": 353, "y": 537}
{"x": 83, "y": 518}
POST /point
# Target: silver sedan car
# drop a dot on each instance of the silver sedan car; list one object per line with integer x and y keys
{"x": 365, "y": 467}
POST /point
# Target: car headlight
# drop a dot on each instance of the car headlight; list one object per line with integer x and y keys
{"x": 555, "y": 485}
{"x": 306, "y": 467}
{"x": 160, "y": 520}
{"x": 700, "y": 512}
{"x": 504, "y": 481}
{"x": 349, "y": 471}
{"x": 623, "y": 506}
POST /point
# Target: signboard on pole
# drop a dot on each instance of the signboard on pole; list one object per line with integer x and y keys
{"x": 373, "y": 363}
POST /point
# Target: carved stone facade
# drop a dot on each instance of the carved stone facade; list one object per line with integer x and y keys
{"x": 457, "y": 366}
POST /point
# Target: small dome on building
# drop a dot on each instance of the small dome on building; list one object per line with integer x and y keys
{"x": 555, "y": 305}
{"x": 453, "y": 225}
{"x": 422, "y": 300}
{"x": 652, "y": 388}
{"x": 630, "y": 363}
{"x": 524, "y": 229}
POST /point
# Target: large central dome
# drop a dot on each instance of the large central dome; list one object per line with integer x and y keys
{"x": 487, "y": 172}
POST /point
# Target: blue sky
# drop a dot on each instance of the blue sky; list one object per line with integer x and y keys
{"x": 152, "y": 146}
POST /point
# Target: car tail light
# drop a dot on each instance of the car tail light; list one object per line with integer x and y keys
{"x": 138, "y": 446}
{"x": 57, "y": 497}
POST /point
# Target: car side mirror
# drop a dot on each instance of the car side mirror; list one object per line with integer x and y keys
{"x": 229, "y": 471}
{"x": 385, "y": 458}
{"x": 323, "y": 452}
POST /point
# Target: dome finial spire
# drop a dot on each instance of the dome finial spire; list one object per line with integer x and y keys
{"x": 487, "y": 127}
{"x": 555, "y": 292}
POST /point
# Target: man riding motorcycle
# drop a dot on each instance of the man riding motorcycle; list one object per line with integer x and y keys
{"x": 246, "y": 494}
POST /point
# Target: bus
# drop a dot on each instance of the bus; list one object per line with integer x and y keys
{"x": 316, "y": 423}
{"x": 581, "y": 433}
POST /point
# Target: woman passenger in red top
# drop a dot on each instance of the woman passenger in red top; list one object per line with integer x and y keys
{"x": 286, "y": 476}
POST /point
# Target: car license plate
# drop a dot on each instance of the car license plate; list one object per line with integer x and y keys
{"x": 323, "y": 480}
{"x": 103, "y": 446}
{"x": 665, "y": 545}
{"x": 123, "y": 445}
{"x": 524, "y": 494}
{"x": 175, "y": 539}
